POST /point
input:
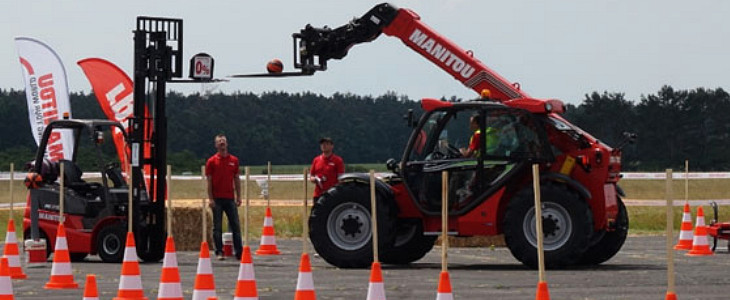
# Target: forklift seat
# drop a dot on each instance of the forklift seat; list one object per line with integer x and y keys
{"x": 71, "y": 174}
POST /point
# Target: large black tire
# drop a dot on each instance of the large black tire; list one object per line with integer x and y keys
{"x": 339, "y": 225}
{"x": 78, "y": 256}
{"x": 410, "y": 243}
{"x": 110, "y": 243}
{"x": 610, "y": 242}
{"x": 567, "y": 226}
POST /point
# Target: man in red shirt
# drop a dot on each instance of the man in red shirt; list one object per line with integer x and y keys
{"x": 222, "y": 172}
{"x": 325, "y": 167}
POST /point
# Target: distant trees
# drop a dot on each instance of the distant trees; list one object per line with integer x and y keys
{"x": 673, "y": 125}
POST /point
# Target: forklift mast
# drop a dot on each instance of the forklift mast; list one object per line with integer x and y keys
{"x": 158, "y": 50}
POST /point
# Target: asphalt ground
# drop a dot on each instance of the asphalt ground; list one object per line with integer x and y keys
{"x": 638, "y": 271}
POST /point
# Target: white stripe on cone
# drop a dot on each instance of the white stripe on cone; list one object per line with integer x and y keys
{"x": 90, "y": 298}
{"x": 6, "y": 285}
{"x": 169, "y": 290}
{"x": 305, "y": 282}
{"x": 11, "y": 238}
{"x": 268, "y": 222}
{"x": 130, "y": 254}
{"x": 130, "y": 282}
{"x": 246, "y": 298}
{"x": 204, "y": 266}
{"x": 203, "y": 294}
{"x": 61, "y": 243}
{"x": 685, "y": 235}
{"x": 444, "y": 296}
{"x": 268, "y": 240}
{"x": 170, "y": 261}
{"x": 13, "y": 260}
{"x": 376, "y": 291}
{"x": 245, "y": 272}
{"x": 61, "y": 268}
{"x": 700, "y": 240}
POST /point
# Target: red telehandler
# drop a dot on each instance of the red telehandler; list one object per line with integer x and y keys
{"x": 585, "y": 221}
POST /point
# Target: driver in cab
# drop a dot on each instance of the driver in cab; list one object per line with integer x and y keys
{"x": 475, "y": 140}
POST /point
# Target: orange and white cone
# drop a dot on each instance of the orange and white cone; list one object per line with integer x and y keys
{"x": 305, "y": 284}
{"x": 61, "y": 276}
{"x": 204, "y": 280}
{"x": 444, "y": 290}
{"x": 90, "y": 290}
{"x": 685, "y": 231}
{"x": 246, "y": 285}
{"x": 130, "y": 281}
{"x": 6, "y": 285}
{"x": 700, "y": 243}
{"x": 12, "y": 253}
{"x": 376, "y": 289}
{"x": 670, "y": 296}
{"x": 542, "y": 291}
{"x": 170, "y": 288}
{"x": 268, "y": 236}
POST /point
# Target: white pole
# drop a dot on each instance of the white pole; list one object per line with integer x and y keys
{"x": 374, "y": 216}
{"x": 169, "y": 200}
{"x": 538, "y": 222}
{"x": 670, "y": 221}
{"x": 245, "y": 212}
{"x": 205, "y": 197}
{"x": 12, "y": 180}
{"x": 305, "y": 225}
{"x": 61, "y": 196}
{"x": 444, "y": 219}
{"x": 686, "y": 181}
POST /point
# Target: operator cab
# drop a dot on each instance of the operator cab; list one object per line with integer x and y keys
{"x": 504, "y": 141}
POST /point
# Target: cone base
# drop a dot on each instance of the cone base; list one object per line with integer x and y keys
{"x": 181, "y": 298}
{"x": 130, "y": 298}
{"x": 699, "y": 253}
{"x": 19, "y": 276}
{"x": 60, "y": 286}
{"x": 683, "y": 247}
{"x": 671, "y": 296}
{"x": 304, "y": 295}
{"x": 267, "y": 252}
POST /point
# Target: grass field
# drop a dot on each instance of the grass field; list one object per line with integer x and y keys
{"x": 288, "y": 220}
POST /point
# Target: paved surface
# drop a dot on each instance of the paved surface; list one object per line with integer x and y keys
{"x": 637, "y": 272}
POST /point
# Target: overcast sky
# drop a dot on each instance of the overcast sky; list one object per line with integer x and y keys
{"x": 555, "y": 49}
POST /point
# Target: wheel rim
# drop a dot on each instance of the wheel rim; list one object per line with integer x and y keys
{"x": 348, "y": 226}
{"x": 111, "y": 244}
{"x": 557, "y": 226}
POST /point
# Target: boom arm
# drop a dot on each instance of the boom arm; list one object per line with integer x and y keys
{"x": 322, "y": 44}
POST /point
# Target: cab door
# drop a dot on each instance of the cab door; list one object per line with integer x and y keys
{"x": 503, "y": 140}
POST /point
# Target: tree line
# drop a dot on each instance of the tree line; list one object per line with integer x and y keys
{"x": 284, "y": 128}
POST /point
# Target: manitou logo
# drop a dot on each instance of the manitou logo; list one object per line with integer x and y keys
{"x": 438, "y": 51}
{"x": 122, "y": 108}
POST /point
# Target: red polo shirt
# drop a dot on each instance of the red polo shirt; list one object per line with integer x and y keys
{"x": 222, "y": 171}
{"x": 326, "y": 168}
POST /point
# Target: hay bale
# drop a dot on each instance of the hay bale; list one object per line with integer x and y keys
{"x": 186, "y": 225}
{"x": 475, "y": 241}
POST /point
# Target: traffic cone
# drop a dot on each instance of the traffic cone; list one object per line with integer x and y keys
{"x": 268, "y": 236}
{"x": 61, "y": 276}
{"x": 246, "y": 285}
{"x": 12, "y": 253}
{"x": 305, "y": 284}
{"x": 376, "y": 290}
{"x": 169, "y": 288}
{"x": 700, "y": 244}
{"x": 90, "y": 290}
{"x": 670, "y": 296}
{"x": 444, "y": 290}
{"x": 6, "y": 285}
{"x": 130, "y": 281}
{"x": 204, "y": 280}
{"x": 685, "y": 232}
{"x": 542, "y": 291}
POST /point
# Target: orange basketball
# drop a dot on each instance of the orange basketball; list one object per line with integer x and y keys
{"x": 274, "y": 66}
{"x": 33, "y": 180}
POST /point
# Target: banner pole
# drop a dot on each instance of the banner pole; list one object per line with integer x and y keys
{"x": 444, "y": 219}
{"x": 538, "y": 222}
{"x": 305, "y": 227}
{"x": 268, "y": 184}
{"x": 169, "y": 200}
{"x": 61, "y": 195}
{"x": 12, "y": 180}
{"x": 374, "y": 216}
{"x": 670, "y": 220}
{"x": 129, "y": 198}
{"x": 245, "y": 208}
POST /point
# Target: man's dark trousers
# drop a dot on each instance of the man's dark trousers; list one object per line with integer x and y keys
{"x": 234, "y": 225}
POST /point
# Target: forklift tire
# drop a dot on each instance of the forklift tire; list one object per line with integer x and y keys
{"x": 110, "y": 243}
{"x": 567, "y": 226}
{"x": 410, "y": 243}
{"x": 339, "y": 225}
{"x": 611, "y": 241}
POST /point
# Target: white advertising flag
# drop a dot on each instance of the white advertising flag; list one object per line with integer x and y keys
{"x": 47, "y": 92}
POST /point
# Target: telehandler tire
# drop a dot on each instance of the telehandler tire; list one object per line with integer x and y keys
{"x": 610, "y": 242}
{"x": 567, "y": 226}
{"x": 410, "y": 243}
{"x": 340, "y": 226}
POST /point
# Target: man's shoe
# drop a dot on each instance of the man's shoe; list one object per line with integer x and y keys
{"x": 219, "y": 256}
